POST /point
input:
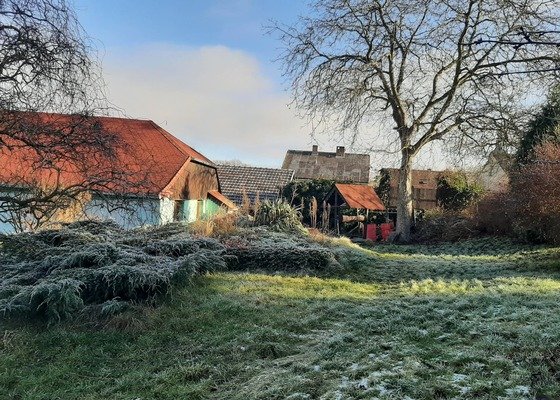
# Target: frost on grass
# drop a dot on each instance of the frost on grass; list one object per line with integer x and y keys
{"x": 56, "y": 273}
{"x": 464, "y": 326}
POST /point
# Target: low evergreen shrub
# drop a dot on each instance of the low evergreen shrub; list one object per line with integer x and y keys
{"x": 278, "y": 253}
{"x": 55, "y": 274}
{"x": 101, "y": 268}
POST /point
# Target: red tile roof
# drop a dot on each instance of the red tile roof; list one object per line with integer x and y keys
{"x": 360, "y": 196}
{"x": 148, "y": 155}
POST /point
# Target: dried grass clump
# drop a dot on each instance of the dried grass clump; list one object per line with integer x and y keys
{"x": 57, "y": 273}
{"x": 220, "y": 224}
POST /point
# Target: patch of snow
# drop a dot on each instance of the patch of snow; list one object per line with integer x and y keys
{"x": 344, "y": 382}
{"x": 458, "y": 377}
{"x": 364, "y": 384}
{"x": 518, "y": 390}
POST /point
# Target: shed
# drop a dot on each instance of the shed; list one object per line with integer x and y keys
{"x": 154, "y": 178}
{"x": 352, "y": 203}
{"x": 424, "y": 187}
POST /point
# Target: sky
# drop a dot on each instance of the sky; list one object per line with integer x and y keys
{"x": 206, "y": 71}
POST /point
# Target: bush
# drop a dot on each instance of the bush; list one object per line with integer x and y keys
{"x": 441, "y": 225}
{"x": 455, "y": 191}
{"x": 279, "y": 216}
{"x": 277, "y": 253}
{"x": 55, "y": 274}
{"x": 102, "y": 268}
{"x": 535, "y": 193}
{"x": 301, "y": 194}
{"x": 494, "y": 214}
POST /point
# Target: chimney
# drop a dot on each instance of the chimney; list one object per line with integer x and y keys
{"x": 315, "y": 150}
{"x": 340, "y": 151}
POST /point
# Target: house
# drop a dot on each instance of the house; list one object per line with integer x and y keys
{"x": 424, "y": 188}
{"x": 338, "y": 166}
{"x": 352, "y": 203}
{"x": 240, "y": 180}
{"x": 153, "y": 178}
{"x": 494, "y": 175}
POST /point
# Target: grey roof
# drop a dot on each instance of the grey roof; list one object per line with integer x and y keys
{"x": 339, "y": 166}
{"x": 267, "y": 182}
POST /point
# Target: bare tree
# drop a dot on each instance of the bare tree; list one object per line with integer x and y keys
{"x": 436, "y": 68}
{"x": 50, "y": 161}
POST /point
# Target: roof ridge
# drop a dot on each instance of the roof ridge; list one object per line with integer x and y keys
{"x": 87, "y": 116}
{"x": 168, "y": 136}
{"x": 254, "y": 167}
{"x": 326, "y": 152}
{"x": 163, "y": 132}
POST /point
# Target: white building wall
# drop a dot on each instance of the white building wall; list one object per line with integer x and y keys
{"x": 189, "y": 210}
{"x": 126, "y": 212}
{"x": 166, "y": 210}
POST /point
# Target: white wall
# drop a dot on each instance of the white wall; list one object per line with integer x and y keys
{"x": 127, "y": 212}
{"x": 166, "y": 210}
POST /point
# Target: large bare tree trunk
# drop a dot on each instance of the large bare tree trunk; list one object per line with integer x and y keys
{"x": 404, "y": 203}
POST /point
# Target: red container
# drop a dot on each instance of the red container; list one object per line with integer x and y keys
{"x": 371, "y": 232}
{"x": 386, "y": 230}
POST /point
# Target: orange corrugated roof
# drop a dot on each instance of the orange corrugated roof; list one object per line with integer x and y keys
{"x": 148, "y": 155}
{"x": 360, "y": 196}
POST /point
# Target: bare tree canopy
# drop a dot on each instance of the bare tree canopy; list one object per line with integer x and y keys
{"x": 45, "y": 61}
{"x": 47, "y": 65}
{"x": 435, "y": 68}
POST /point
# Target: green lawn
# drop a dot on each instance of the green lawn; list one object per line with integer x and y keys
{"x": 474, "y": 320}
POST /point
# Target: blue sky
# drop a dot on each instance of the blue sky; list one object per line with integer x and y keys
{"x": 233, "y": 23}
{"x": 205, "y": 71}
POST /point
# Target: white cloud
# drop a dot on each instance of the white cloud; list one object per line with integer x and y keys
{"x": 214, "y": 98}
{"x": 220, "y": 101}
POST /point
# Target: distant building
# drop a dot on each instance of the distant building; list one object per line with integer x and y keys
{"x": 264, "y": 183}
{"x": 338, "y": 166}
{"x": 494, "y": 175}
{"x": 424, "y": 188}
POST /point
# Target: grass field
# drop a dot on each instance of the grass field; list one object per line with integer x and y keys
{"x": 476, "y": 320}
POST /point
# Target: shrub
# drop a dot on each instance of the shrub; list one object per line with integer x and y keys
{"x": 301, "y": 194}
{"x": 278, "y": 253}
{"x": 444, "y": 225}
{"x": 535, "y": 193}
{"x": 94, "y": 263}
{"x": 279, "y": 216}
{"x": 102, "y": 267}
{"x": 494, "y": 214}
{"x": 455, "y": 191}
